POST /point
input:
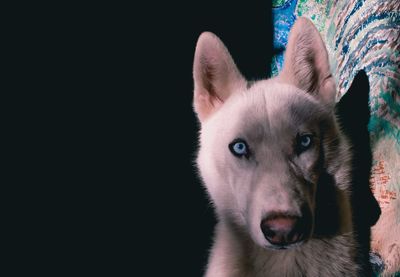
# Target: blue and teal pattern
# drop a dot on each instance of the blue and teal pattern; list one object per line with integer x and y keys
{"x": 359, "y": 35}
{"x": 284, "y": 18}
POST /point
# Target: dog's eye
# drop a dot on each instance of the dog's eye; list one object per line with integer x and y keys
{"x": 304, "y": 142}
{"x": 239, "y": 148}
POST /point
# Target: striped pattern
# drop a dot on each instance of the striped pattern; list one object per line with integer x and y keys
{"x": 366, "y": 35}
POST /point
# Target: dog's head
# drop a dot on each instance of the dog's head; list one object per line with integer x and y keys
{"x": 266, "y": 147}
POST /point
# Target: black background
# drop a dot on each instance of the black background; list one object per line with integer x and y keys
{"x": 113, "y": 187}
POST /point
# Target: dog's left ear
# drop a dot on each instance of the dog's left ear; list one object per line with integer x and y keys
{"x": 306, "y": 63}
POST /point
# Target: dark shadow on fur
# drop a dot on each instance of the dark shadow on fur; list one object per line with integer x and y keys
{"x": 327, "y": 212}
{"x": 354, "y": 113}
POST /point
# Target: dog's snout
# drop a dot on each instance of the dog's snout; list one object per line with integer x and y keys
{"x": 282, "y": 230}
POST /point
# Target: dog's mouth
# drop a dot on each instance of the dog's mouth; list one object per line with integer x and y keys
{"x": 284, "y": 247}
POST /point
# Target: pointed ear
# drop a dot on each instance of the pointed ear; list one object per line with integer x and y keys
{"x": 215, "y": 75}
{"x": 306, "y": 63}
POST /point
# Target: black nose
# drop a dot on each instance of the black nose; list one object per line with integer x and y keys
{"x": 282, "y": 230}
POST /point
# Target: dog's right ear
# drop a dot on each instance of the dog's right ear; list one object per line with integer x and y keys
{"x": 215, "y": 75}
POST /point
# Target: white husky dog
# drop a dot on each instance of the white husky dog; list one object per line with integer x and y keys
{"x": 275, "y": 163}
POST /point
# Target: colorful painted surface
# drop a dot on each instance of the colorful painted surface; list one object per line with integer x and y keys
{"x": 359, "y": 35}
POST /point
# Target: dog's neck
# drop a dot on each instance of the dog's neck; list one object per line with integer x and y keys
{"x": 305, "y": 259}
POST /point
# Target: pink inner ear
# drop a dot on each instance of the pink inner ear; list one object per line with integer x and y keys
{"x": 205, "y": 104}
{"x": 211, "y": 74}
{"x": 328, "y": 90}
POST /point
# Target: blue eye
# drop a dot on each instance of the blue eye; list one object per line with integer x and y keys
{"x": 239, "y": 148}
{"x": 304, "y": 142}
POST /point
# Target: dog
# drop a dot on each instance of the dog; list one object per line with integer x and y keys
{"x": 275, "y": 163}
